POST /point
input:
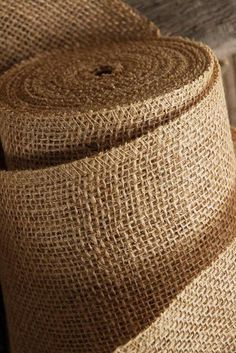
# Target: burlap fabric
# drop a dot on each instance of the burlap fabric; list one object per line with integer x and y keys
{"x": 118, "y": 211}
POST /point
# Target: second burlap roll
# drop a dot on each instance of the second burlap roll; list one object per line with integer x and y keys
{"x": 121, "y": 192}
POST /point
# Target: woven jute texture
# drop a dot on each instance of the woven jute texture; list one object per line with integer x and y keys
{"x": 28, "y": 27}
{"x": 117, "y": 208}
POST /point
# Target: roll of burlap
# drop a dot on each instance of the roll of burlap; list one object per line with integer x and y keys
{"x": 117, "y": 209}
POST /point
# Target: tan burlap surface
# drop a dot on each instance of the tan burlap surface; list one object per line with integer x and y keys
{"x": 117, "y": 209}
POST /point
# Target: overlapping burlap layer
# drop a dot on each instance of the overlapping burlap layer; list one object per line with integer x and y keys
{"x": 117, "y": 207}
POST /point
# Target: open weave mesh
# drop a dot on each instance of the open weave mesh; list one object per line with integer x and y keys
{"x": 117, "y": 208}
{"x": 200, "y": 319}
{"x": 28, "y": 27}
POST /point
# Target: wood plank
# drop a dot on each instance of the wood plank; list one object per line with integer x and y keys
{"x": 212, "y": 21}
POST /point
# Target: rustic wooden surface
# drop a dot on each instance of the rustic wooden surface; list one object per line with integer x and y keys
{"x": 210, "y": 21}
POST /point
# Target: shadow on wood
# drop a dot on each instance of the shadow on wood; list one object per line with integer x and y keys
{"x": 212, "y": 21}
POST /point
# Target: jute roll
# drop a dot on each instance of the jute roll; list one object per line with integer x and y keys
{"x": 68, "y": 105}
{"x": 29, "y": 27}
{"x": 117, "y": 208}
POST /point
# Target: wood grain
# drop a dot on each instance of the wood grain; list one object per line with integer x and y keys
{"x": 212, "y": 21}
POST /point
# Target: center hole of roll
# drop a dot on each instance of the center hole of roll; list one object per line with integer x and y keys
{"x": 103, "y": 70}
